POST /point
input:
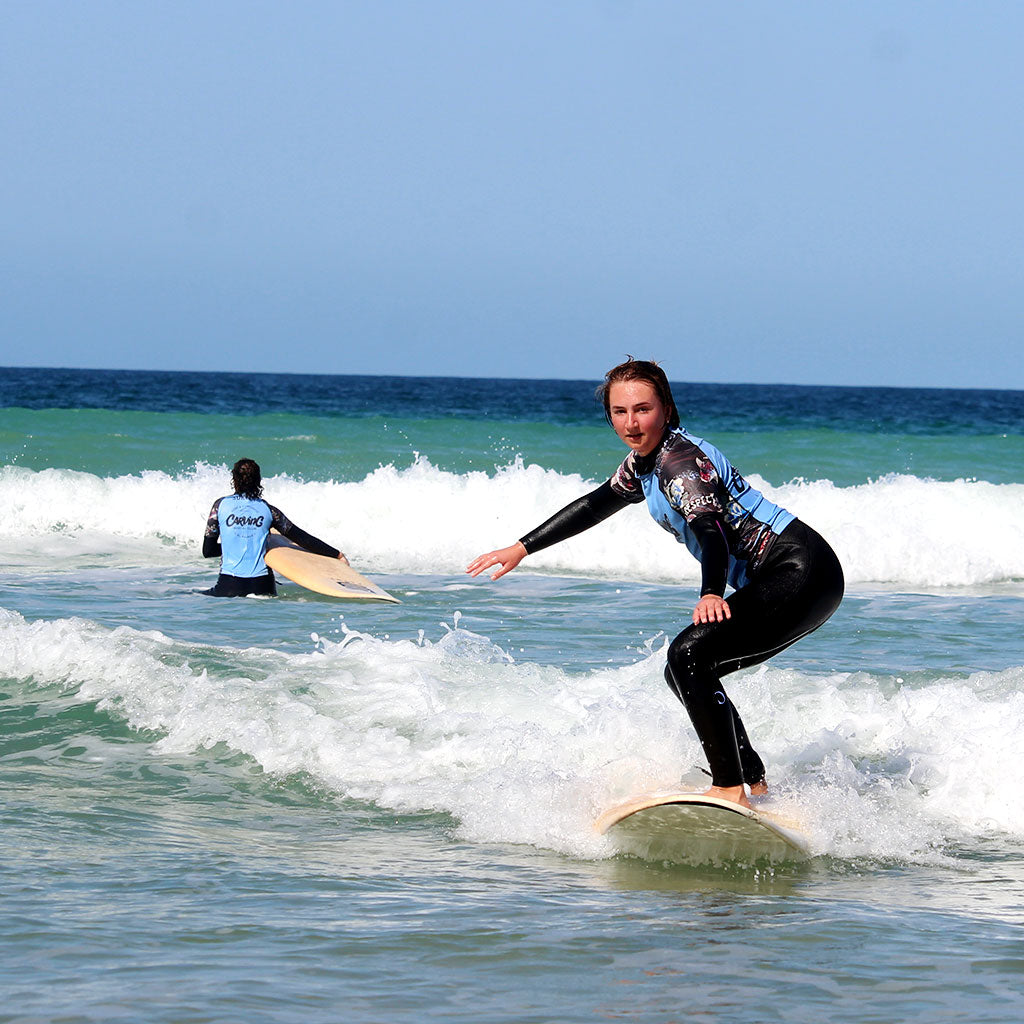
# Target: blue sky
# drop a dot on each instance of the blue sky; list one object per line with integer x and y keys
{"x": 826, "y": 193}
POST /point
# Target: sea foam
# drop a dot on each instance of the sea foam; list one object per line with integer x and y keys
{"x": 899, "y": 529}
{"x": 522, "y": 753}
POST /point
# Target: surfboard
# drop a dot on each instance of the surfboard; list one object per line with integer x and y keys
{"x": 322, "y": 575}
{"x": 690, "y": 828}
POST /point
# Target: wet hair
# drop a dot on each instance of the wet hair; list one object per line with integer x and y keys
{"x": 645, "y": 370}
{"x": 247, "y": 479}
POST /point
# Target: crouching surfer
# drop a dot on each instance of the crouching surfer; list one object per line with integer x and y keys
{"x": 787, "y": 579}
{"x": 237, "y": 530}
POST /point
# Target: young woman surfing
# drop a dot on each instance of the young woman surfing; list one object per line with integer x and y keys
{"x": 787, "y": 579}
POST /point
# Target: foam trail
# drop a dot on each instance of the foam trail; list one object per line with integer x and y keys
{"x": 529, "y": 754}
{"x": 897, "y": 530}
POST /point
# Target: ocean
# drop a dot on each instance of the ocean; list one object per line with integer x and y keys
{"x": 302, "y": 810}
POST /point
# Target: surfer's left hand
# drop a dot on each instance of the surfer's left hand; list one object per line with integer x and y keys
{"x": 711, "y": 608}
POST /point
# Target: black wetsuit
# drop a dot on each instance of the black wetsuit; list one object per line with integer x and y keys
{"x": 788, "y": 579}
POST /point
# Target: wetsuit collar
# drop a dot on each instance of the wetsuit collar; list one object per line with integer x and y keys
{"x": 644, "y": 464}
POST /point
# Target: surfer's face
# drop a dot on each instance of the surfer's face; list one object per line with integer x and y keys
{"x": 638, "y": 415}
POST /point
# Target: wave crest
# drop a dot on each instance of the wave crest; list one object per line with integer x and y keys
{"x": 899, "y": 529}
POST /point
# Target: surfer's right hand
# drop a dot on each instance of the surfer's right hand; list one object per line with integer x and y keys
{"x": 508, "y": 558}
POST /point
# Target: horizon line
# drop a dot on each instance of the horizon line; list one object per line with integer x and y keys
{"x": 481, "y": 377}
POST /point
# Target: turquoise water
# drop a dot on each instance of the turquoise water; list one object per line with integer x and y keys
{"x": 287, "y": 810}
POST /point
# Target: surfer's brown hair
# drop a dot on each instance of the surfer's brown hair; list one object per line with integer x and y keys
{"x": 645, "y": 370}
{"x": 247, "y": 479}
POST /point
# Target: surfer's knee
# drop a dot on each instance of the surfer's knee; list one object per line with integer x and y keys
{"x": 689, "y": 653}
{"x": 690, "y": 665}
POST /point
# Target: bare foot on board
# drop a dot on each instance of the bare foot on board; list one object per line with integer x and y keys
{"x": 759, "y": 789}
{"x": 734, "y": 794}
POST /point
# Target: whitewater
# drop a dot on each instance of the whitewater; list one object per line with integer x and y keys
{"x": 899, "y": 529}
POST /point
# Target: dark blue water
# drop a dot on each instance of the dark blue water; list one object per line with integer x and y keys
{"x": 718, "y": 407}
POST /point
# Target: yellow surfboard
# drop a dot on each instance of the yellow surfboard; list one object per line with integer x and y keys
{"x": 691, "y": 828}
{"x": 322, "y": 575}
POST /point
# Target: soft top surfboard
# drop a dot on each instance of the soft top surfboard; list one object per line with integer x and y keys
{"x": 692, "y": 828}
{"x": 322, "y": 575}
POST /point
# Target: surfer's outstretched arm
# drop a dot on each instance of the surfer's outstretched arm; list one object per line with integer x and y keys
{"x": 577, "y": 516}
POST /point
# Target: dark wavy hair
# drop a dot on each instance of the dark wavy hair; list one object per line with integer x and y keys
{"x": 640, "y": 369}
{"x": 247, "y": 479}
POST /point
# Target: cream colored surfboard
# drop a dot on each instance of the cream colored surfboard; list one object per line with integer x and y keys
{"x": 691, "y": 828}
{"x": 322, "y": 575}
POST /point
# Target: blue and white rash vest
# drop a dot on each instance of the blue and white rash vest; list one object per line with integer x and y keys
{"x": 686, "y": 477}
{"x": 242, "y": 525}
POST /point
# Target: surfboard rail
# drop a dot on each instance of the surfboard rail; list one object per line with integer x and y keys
{"x": 322, "y": 575}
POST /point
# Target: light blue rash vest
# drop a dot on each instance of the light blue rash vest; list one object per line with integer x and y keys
{"x": 244, "y": 524}
{"x": 686, "y": 477}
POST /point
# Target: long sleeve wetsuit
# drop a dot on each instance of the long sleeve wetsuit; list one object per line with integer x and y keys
{"x": 788, "y": 580}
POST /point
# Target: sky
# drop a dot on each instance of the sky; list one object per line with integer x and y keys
{"x": 749, "y": 192}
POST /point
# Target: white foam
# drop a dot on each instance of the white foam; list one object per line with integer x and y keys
{"x": 899, "y": 530}
{"x": 529, "y": 754}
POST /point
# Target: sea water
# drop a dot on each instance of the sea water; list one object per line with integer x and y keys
{"x": 295, "y": 809}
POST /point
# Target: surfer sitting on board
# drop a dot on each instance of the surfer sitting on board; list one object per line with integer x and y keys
{"x": 236, "y": 532}
{"x": 787, "y": 579}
